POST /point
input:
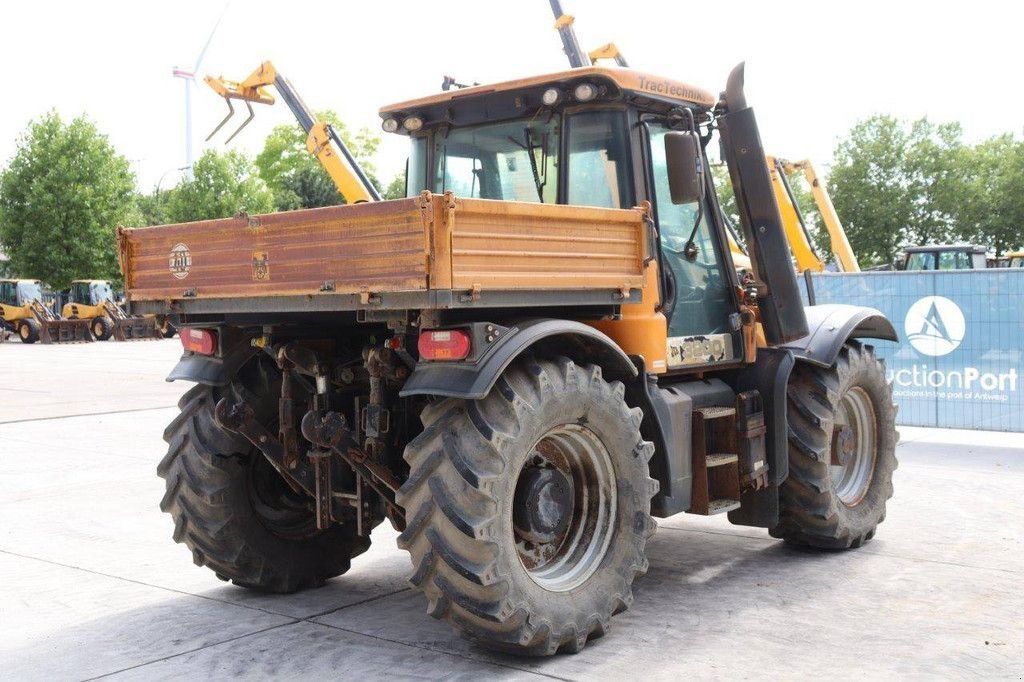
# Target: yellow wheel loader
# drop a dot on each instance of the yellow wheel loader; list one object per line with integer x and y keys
{"x": 23, "y": 313}
{"x": 520, "y": 365}
{"x": 93, "y": 300}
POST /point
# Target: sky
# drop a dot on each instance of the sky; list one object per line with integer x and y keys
{"x": 813, "y": 68}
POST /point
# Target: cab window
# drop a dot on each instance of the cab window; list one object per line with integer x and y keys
{"x": 700, "y": 300}
{"x": 416, "y": 172}
{"x": 922, "y": 260}
{"x": 514, "y": 161}
{"x": 598, "y": 162}
{"x": 954, "y": 260}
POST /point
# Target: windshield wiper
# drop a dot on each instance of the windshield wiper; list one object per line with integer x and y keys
{"x": 540, "y": 175}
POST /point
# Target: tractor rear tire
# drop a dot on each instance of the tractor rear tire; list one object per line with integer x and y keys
{"x": 102, "y": 328}
{"x": 548, "y": 471}
{"x": 236, "y": 514}
{"x": 842, "y": 452}
{"x": 28, "y": 331}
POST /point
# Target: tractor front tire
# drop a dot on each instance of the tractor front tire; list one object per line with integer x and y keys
{"x": 28, "y": 331}
{"x": 102, "y": 328}
{"x": 235, "y": 513}
{"x": 842, "y": 452}
{"x": 528, "y": 511}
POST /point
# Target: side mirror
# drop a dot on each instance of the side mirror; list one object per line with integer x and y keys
{"x": 685, "y": 167}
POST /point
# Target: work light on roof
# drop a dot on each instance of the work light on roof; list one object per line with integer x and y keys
{"x": 551, "y": 96}
{"x": 413, "y": 123}
{"x": 390, "y": 125}
{"x": 584, "y": 92}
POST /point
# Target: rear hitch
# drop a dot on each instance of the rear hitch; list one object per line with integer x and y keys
{"x": 313, "y": 481}
{"x": 330, "y": 431}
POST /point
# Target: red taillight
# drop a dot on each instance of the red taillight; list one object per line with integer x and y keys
{"x": 443, "y": 344}
{"x": 202, "y": 341}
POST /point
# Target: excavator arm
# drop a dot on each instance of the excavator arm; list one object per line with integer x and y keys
{"x": 322, "y": 140}
{"x": 793, "y": 221}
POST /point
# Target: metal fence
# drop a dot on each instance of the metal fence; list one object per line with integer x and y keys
{"x": 958, "y": 364}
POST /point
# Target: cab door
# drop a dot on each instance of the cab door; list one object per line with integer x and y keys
{"x": 699, "y": 289}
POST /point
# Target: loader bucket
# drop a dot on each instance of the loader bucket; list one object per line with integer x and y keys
{"x": 64, "y": 331}
{"x": 135, "y": 329}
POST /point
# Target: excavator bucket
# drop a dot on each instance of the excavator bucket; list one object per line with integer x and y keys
{"x": 135, "y": 329}
{"x": 64, "y": 331}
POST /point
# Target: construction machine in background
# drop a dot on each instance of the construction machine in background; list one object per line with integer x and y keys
{"x": 23, "y": 312}
{"x": 1015, "y": 259}
{"x": 322, "y": 140}
{"x": 795, "y": 226}
{"x": 944, "y": 257}
{"x": 93, "y": 300}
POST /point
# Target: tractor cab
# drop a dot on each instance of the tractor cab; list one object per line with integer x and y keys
{"x": 944, "y": 257}
{"x": 593, "y": 136}
{"x": 91, "y": 292}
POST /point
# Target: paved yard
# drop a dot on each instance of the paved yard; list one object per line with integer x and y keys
{"x": 92, "y": 585}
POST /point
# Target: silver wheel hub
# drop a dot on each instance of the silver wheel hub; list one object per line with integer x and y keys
{"x": 854, "y": 447}
{"x": 564, "y": 508}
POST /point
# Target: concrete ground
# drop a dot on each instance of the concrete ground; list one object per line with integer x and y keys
{"x": 91, "y": 584}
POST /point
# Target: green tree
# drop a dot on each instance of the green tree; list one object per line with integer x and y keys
{"x": 296, "y": 177}
{"x": 991, "y": 208}
{"x": 727, "y": 200}
{"x": 396, "y": 188}
{"x": 895, "y": 183}
{"x": 153, "y": 207}
{"x": 62, "y": 197}
{"x": 221, "y": 186}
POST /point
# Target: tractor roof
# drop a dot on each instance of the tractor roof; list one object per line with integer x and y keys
{"x": 971, "y": 248}
{"x": 617, "y": 83}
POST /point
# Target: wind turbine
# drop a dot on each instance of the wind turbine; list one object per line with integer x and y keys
{"x": 190, "y": 78}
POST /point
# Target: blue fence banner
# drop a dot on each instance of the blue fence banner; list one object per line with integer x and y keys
{"x": 958, "y": 363}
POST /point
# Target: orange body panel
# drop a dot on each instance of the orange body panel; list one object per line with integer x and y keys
{"x": 416, "y": 244}
{"x": 642, "y": 329}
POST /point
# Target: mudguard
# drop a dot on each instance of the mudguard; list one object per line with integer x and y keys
{"x": 832, "y": 325}
{"x": 211, "y": 370}
{"x": 474, "y": 380}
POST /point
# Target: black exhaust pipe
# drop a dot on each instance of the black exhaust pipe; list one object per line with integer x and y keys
{"x": 782, "y": 310}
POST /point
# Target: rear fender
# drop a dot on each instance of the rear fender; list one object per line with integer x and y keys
{"x": 474, "y": 380}
{"x": 213, "y": 370}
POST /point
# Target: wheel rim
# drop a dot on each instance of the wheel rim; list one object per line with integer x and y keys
{"x": 24, "y": 331}
{"x": 854, "y": 447}
{"x": 97, "y": 329}
{"x": 567, "y": 485}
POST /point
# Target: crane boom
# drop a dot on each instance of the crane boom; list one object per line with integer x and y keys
{"x": 793, "y": 221}
{"x": 571, "y": 45}
{"x": 322, "y": 140}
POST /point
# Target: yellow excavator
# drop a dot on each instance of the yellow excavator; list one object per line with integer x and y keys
{"x": 322, "y": 140}
{"x": 23, "y": 312}
{"x": 92, "y": 300}
{"x": 1015, "y": 259}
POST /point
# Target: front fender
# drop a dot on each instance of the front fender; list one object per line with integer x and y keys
{"x": 474, "y": 380}
{"x": 834, "y": 324}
